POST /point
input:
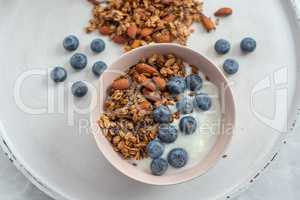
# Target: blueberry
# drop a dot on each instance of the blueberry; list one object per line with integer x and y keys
{"x": 188, "y": 125}
{"x": 78, "y": 61}
{"x": 222, "y": 46}
{"x": 99, "y": 67}
{"x": 159, "y": 166}
{"x": 176, "y": 85}
{"x": 58, "y": 74}
{"x": 155, "y": 149}
{"x": 97, "y": 45}
{"x": 184, "y": 105}
{"x": 248, "y": 45}
{"x": 71, "y": 43}
{"x": 202, "y": 101}
{"x": 162, "y": 114}
{"x": 167, "y": 133}
{"x": 194, "y": 82}
{"x": 79, "y": 89}
{"x": 231, "y": 66}
{"x": 177, "y": 158}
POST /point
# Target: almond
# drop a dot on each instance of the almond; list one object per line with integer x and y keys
{"x": 207, "y": 23}
{"x": 146, "y": 32}
{"x": 121, "y": 84}
{"x": 132, "y": 31}
{"x": 145, "y": 68}
{"x": 136, "y": 44}
{"x": 223, "y": 12}
{"x": 146, "y": 82}
{"x": 162, "y": 37}
{"x": 151, "y": 96}
{"x": 160, "y": 82}
{"x": 105, "y": 30}
{"x": 119, "y": 39}
{"x": 170, "y": 18}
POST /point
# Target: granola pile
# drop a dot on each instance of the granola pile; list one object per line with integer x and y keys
{"x": 127, "y": 122}
{"x": 134, "y": 23}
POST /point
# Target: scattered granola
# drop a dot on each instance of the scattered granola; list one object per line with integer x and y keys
{"x": 134, "y": 23}
{"x": 127, "y": 122}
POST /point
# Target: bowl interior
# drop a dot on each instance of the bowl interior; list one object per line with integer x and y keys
{"x": 193, "y": 58}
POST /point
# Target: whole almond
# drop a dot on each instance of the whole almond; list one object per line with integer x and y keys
{"x": 207, "y": 23}
{"x": 160, "y": 82}
{"x": 121, "y": 84}
{"x": 105, "y": 30}
{"x": 119, "y": 39}
{"x": 146, "y": 32}
{"x": 223, "y": 12}
{"x": 145, "y": 68}
{"x": 151, "y": 96}
{"x": 162, "y": 37}
{"x": 132, "y": 31}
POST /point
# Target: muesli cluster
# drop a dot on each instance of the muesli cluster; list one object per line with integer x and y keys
{"x": 134, "y": 23}
{"x": 128, "y": 121}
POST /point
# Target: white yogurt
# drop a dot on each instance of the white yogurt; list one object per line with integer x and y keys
{"x": 199, "y": 144}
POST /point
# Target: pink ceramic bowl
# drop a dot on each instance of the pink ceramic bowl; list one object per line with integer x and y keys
{"x": 226, "y": 102}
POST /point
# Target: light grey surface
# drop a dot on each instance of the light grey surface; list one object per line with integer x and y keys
{"x": 281, "y": 181}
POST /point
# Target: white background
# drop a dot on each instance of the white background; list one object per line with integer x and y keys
{"x": 281, "y": 181}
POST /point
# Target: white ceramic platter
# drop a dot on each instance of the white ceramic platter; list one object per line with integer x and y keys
{"x": 54, "y": 148}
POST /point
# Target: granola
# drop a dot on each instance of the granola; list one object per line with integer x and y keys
{"x": 135, "y": 23}
{"x": 127, "y": 122}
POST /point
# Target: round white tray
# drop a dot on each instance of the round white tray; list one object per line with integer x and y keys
{"x": 51, "y": 143}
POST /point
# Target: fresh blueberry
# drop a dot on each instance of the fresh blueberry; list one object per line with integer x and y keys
{"x": 176, "y": 85}
{"x": 177, "y": 158}
{"x": 71, "y": 43}
{"x": 188, "y": 125}
{"x": 167, "y": 133}
{"x": 222, "y": 46}
{"x": 159, "y": 166}
{"x": 202, "y": 101}
{"x": 58, "y": 74}
{"x": 194, "y": 82}
{"x": 99, "y": 67}
{"x": 97, "y": 45}
{"x": 162, "y": 114}
{"x": 155, "y": 149}
{"x": 184, "y": 105}
{"x": 79, "y": 89}
{"x": 78, "y": 61}
{"x": 248, "y": 45}
{"x": 231, "y": 66}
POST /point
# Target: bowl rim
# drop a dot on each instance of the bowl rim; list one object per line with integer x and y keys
{"x": 155, "y": 183}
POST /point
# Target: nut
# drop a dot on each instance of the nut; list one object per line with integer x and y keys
{"x": 223, "y": 12}
{"x": 160, "y": 82}
{"x": 105, "y": 30}
{"x": 121, "y": 84}
{"x": 147, "y": 83}
{"x": 146, "y": 32}
{"x": 151, "y": 96}
{"x": 119, "y": 39}
{"x": 207, "y": 23}
{"x": 170, "y": 18}
{"x": 132, "y": 31}
{"x": 145, "y": 68}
